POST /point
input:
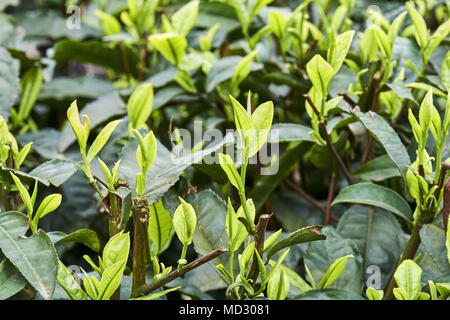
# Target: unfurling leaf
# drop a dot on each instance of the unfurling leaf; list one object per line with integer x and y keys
{"x": 184, "y": 222}
{"x": 140, "y": 105}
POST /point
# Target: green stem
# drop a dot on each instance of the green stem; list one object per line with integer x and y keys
{"x": 183, "y": 256}
{"x": 230, "y": 263}
{"x": 247, "y": 212}
{"x": 408, "y": 253}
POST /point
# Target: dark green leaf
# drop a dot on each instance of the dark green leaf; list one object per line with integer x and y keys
{"x": 375, "y": 195}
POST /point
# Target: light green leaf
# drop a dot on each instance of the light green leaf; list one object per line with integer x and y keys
{"x": 383, "y": 42}
{"x": 235, "y": 229}
{"x": 441, "y": 32}
{"x": 85, "y": 236}
{"x": 81, "y": 131}
{"x": 270, "y": 241}
{"x": 111, "y": 277}
{"x": 110, "y": 25}
{"x": 172, "y": 46}
{"x": 184, "y": 18}
{"x": 343, "y": 42}
{"x": 374, "y": 294}
{"x": 395, "y": 27}
{"x": 157, "y": 295}
{"x": 184, "y": 222}
{"x": 140, "y": 105}
{"x": 426, "y": 87}
{"x": 116, "y": 249}
{"x": 24, "y": 195}
{"x": 320, "y": 73}
{"x": 242, "y": 119}
{"x": 185, "y": 81}
{"x": 227, "y": 165}
{"x": 296, "y": 280}
{"x": 245, "y": 258}
{"x": 261, "y": 122}
{"x": 49, "y": 204}
{"x": 320, "y": 255}
{"x": 277, "y": 23}
{"x": 69, "y": 284}
{"x": 30, "y": 87}
{"x": 421, "y": 31}
{"x": 205, "y": 42}
{"x": 243, "y": 69}
{"x": 160, "y": 229}
{"x": 334, "y": 272}
{"x": 444, "y": 289}
{"x": 101, "y": 139}
{"x": 91, "y": 285}
{"x": 146, "y": 151}
{"x": 278, "y": 286}
{"x": 425, "y": 112}
{"x": 408, "y": 277}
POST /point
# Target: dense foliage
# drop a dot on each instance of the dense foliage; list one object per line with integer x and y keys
{"x": 224, "y": 149}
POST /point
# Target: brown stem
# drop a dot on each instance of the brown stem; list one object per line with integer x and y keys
{"x": 347, "y": 98}
{"x": 259, "y": 245}
{"x": 140, "y": 238}
{"x": 330, "y": 198}
{"x": 124, "y": 60}
{"x": 374, "y": 106}
{"x": 143, "y": 58}
{"x": 146, "y": 289}
{"x": 408, "y": 253}
{"x": 112, "y": 205}
{"x": 327, "y": 137}
{"x": 308, "y": 198}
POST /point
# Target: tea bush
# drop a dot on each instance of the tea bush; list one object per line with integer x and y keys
{"x": 240, "y": 149}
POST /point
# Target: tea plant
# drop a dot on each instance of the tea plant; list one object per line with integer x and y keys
{"x": 224, "y": 149}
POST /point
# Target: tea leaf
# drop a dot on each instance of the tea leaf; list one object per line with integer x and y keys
{"x": 184, "y": 222}
{"x": 408, "y": 277}
{"x": 30, "y": 87}
{"x": 160, "y": 229}
{"x": 11, "y": 281}
{"x": 320, "y": 73}
{"x": 140, "y": 105}
{"x": 334, "y": 272}
{"x": 69, "y": 284}
{"x": 35, "y": 257}
{"x": 306, "y": 234}
{"x": 116, "y": 250}
{"x": 375, "y": 195}
{"x": 171, "y": 46}
{"x": 421, "y": 31}
{"x": 184, "y": 18}
{"x": 101, "y": 139}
